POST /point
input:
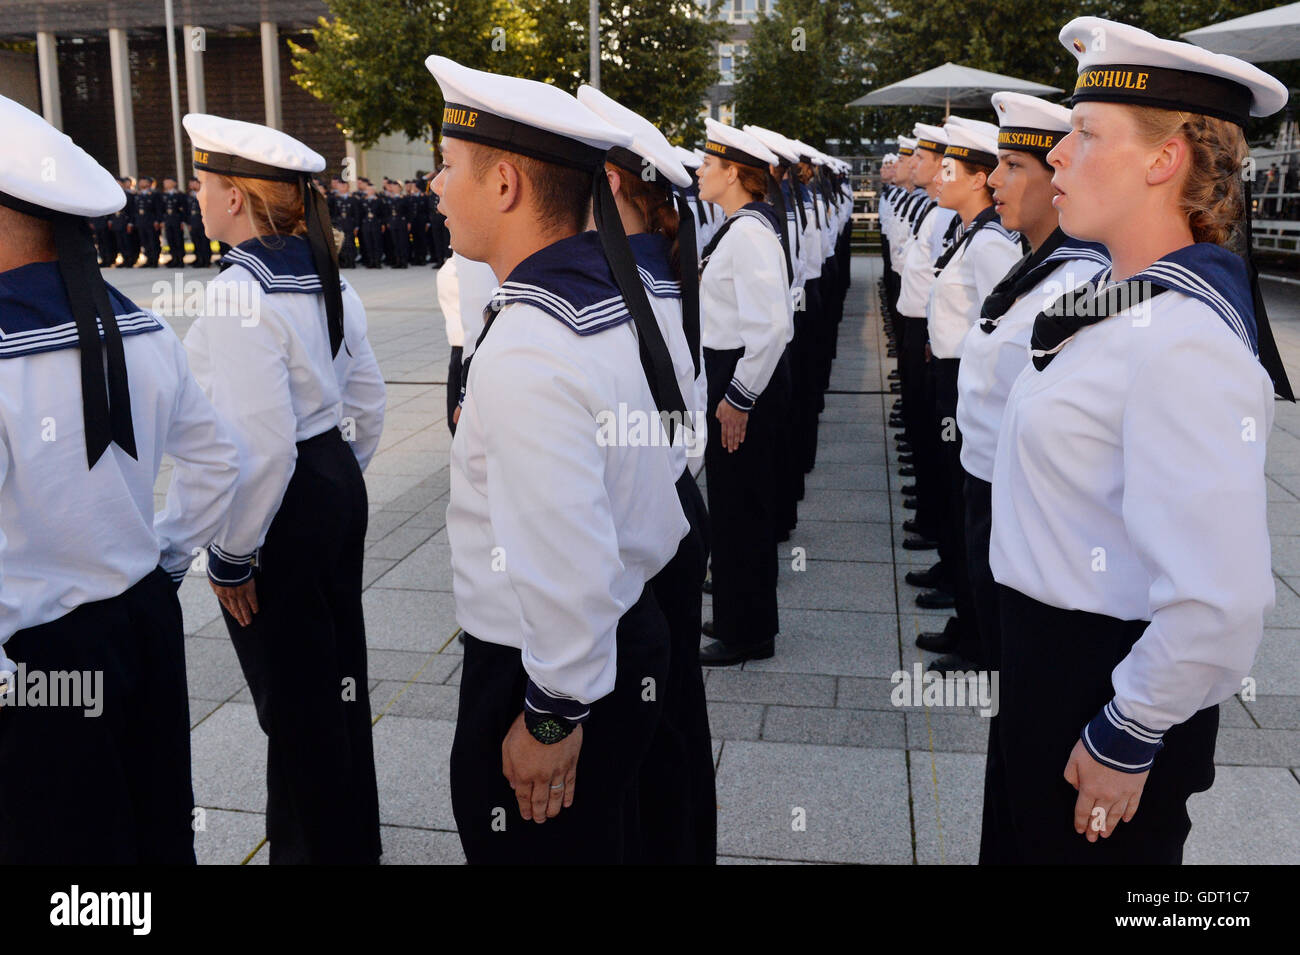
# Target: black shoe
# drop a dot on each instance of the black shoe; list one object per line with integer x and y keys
{"x": 706, "y": 628}
{"x": 897, "y": 405}
{"x": 718, "y": 654}
{"x": 911, "y": 526}
{"x": 896, "y": 389}
{"x": 951, "y": 663}
{"x": 909, "y": 503}
{"x": 935, "y": 600}
{"x": 896, "y": 422}
{"x": 907, "y": 471}
{"x": 931, "y": 578}
{"x": 708, "y": 585}
{"x": 906, "y": 458}
{"x": 893, "y": 375}
{"x": 919, "y": 543}
{"x": 943, "y": 642}
{"x": 901, "y": 445}
{"x": 909, "y": 489}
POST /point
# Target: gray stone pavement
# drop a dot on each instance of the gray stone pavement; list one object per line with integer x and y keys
{"x": 814, "y": 762}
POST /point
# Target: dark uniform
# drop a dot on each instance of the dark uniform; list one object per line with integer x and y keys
{"x": 198, "y": 235}
{"x": 122, "y": 222}
{"x": 148, "y": 224}
{"x": 343, "y": 214}
{"x": 418, "y": 216}
{"x": 371, "y": 214}
{"x": 397, "y": 245}
{"x": 104, "y": 241}
{"x": 175, "y": 210}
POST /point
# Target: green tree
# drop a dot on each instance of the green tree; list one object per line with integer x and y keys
{"x": 805, "y": 62}
{"x": 1017, "y": 38}
{"x": 656, "y": 57}
{"x": 368, "y": 61}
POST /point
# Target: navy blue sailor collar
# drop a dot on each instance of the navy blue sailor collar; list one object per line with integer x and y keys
{"x": 1214, "y": 276}
{"x": 653, "y": 256}
{"x": 285, "y": 265}
{"x": 36, "y": 316}
{"x": 571, "y": 281}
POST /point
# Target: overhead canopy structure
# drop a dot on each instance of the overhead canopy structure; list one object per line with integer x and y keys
{"x": 950, "y": 85}
{"x": 1263, "y": 37}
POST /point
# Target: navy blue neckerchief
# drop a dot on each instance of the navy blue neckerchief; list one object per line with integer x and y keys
{"x": 284, "y": 265}
{"x": 571, "y": 281}
{"x": 1029, "y": 272}
{"x": 1209, "y": 273}
{"x": 980, "y": 221}
{"x": 653, "y": 256}
{"x": 36, "y": 315}
{"x": 795, "y": 205}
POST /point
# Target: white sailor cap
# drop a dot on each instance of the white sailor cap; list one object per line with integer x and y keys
{"x": 930, "y": 137}
{"x": 1119, "y": 63}
{"x": 1029, "y": 124}
{"x": 972, "y": 140}
{"x": 48, "y": 173}
{"x": 232, "y": 147}
{"x": 888, "y": 158}
{"x": 736, "y": 145}
{"x": 687, "y": 157}
{"x": 773, "y": 141}
{"x": 522, "y": 116}
{"x": 906, "y": 146}
{"x": 647, "y": 141}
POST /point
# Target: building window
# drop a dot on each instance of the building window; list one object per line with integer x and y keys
{"x": 726, "y": 63}
{"x": 726, "y": 113}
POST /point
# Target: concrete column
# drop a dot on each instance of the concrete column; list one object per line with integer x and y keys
{"x": 196, "y": 91}
{"x": 123, "y": 111}
{"x": 47, "y": 58}
{"x": 271, "y": 74}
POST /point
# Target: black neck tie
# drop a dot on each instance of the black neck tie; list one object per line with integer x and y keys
{"x": 1086, "y": 305}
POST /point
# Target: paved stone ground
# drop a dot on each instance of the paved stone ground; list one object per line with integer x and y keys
{"x": 809, "y": 736}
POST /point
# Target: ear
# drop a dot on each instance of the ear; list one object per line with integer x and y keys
{"x": 508, "y": 183}
{"x": 615, "y": 179}
{"x": 1166, "y": 160}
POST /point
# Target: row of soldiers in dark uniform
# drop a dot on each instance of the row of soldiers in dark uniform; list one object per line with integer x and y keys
{"x": 152, "y": 220}
{"x": 398, "y": 227}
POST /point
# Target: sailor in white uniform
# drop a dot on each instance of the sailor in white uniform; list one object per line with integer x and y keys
{"x": 281, "y": 350}
{"x": 996, "y": 349}
{"x": 90, "y": 574}
{"x": 464, "y": 290}
{"x": 747, "y": 317}
{"x": 801, "y": 350}
{"x": 678, "y": 799}
{"x": 976, "y": 261}
{"x": 563, "y": 506}
{"x": 930, "y": 227}
{"x": 1129, "y": 499}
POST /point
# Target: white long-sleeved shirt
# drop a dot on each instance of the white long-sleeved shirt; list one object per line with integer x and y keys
{"x": 917, "y": 273}
{"x": 554, "y": 532}
{"x": 966, "y": 280}
{"x": 448, "y": 283}
{"x": 263, "y": 359}
{"x": 991, "y": 362}
{"x": 475, "y": 283}
{"x": 1129, "y": 481}
{"x": 70, "y": 535}
{"x": 745, "y": 303}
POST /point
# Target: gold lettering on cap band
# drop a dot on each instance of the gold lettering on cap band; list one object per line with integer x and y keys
{"x": 459, "y": 117}
{"x": 200, "y": 156}
{"x": 713, "y": 147}
{"x": 1112, "y": 80}
{"x": 929, "y": 144}
{"x": 1017, "y": 140}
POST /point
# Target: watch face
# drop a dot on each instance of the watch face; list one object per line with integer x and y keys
{"x": 549, "y": 730}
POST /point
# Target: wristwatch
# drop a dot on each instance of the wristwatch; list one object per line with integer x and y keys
{"x": 547, "y": 728}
